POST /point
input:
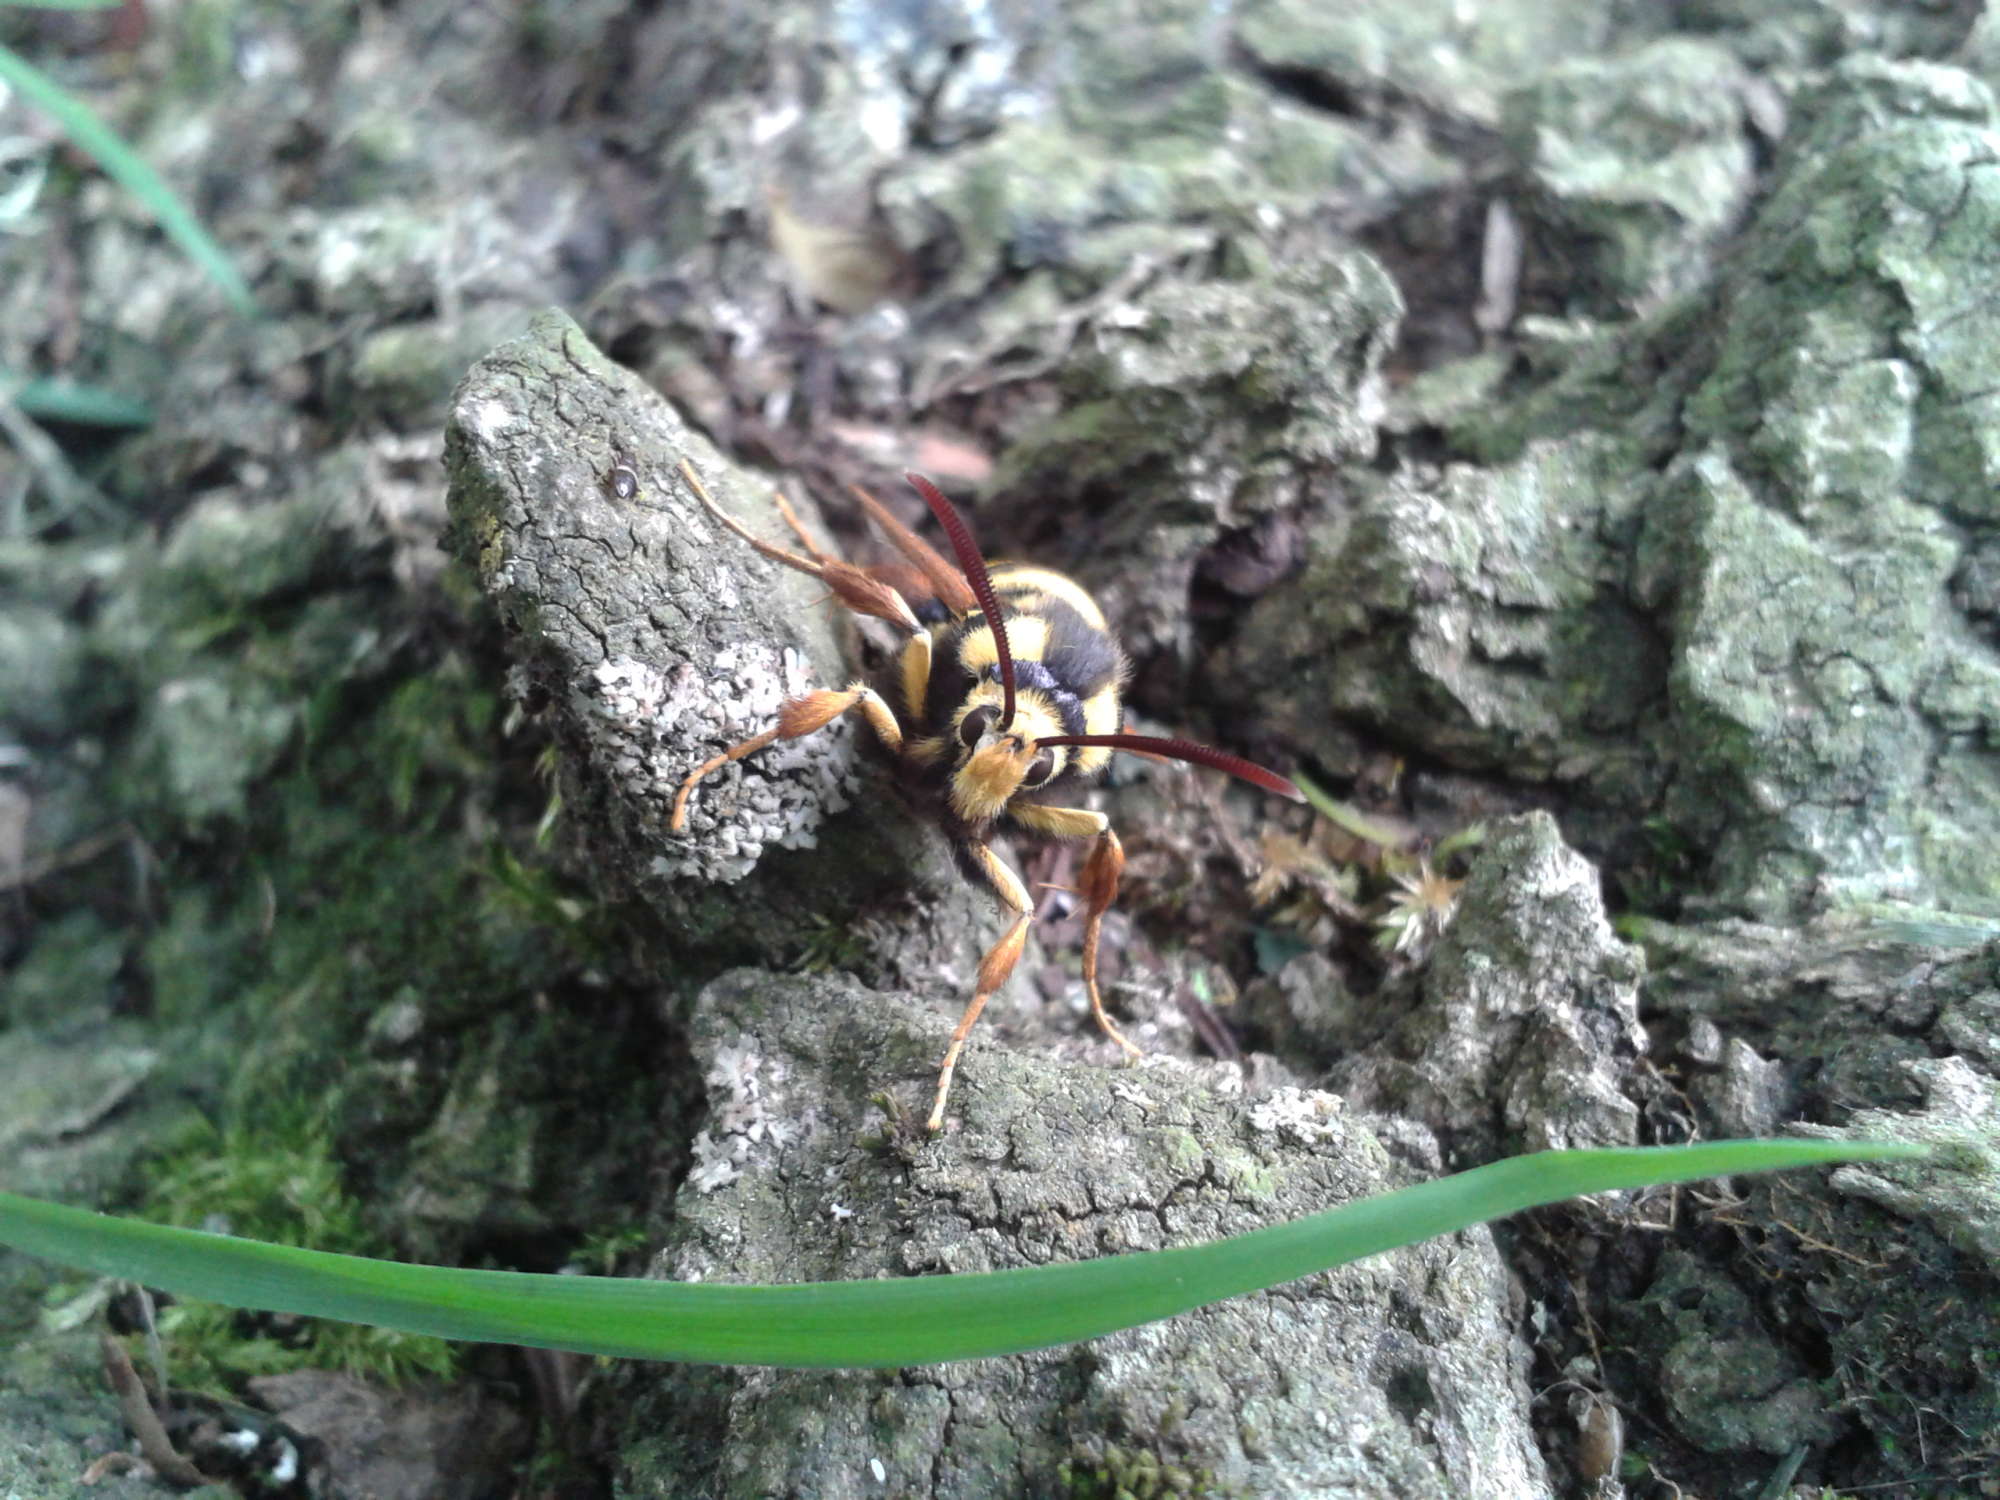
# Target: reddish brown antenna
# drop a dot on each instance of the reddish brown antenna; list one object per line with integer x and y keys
{"x": 974, "y": 568}
{"x": 1188, "y": 750}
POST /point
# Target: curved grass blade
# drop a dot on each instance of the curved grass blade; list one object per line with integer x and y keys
{"x": 125, "y": 167}
{"x": 1926, "y": 926}
{"x": 1348, "y": 819}
{"x": 69, "y": 491}
{"x": 862, "y": 1324}
{"x": 85, "y": 405}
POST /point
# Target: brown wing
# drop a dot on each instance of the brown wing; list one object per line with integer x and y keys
{"x": 943, "y": 581}
{"x": 913, "y": 586}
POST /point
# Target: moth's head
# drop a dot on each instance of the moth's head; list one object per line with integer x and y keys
{"x": 1007, "y": 740}
{"x": 992, "y": 764}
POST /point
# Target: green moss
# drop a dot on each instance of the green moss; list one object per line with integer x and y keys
{"x": 215, "y": 1349}
{"x": 374, "y": 949}
{"x": 1244, "y": 1175}
{"x": 377, "y": 888}
{"x": 1183, "y": 1153}
{"x": 1111, "y": 1472}
{"x": 607, "y": 1251}
{"x": 70, "y": 973}
{"x": 830, "y": 947}
{"x": 278, "y": 1182}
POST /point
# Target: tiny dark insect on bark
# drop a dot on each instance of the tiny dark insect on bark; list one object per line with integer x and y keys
{"x": 621, "y": 480}
{"x": 1010, "y": 683}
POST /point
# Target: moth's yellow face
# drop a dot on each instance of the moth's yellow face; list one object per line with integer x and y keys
{"x": 993, "y": 765}
{"x": 992, "y": 774}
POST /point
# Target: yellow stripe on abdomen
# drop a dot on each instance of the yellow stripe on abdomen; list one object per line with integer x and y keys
{"x": 1027, "y": 639}
{"x": 1101, "y": 715}
{"x": 1025, "y": 578}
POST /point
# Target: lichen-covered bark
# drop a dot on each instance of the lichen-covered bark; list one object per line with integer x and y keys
{"x": 1393, "y": 1377}
{"x": 1573, "y": 410}
{"x": 1768, "y": 645}
{"x": 1524, "y": 1031}
{"x": 1773, "y": 1024}
{"x": 1826, "y": 680}
{"x": 632, "y": 617}
{"x": 791, "y": 1067}
{"x": 652, "y": 639}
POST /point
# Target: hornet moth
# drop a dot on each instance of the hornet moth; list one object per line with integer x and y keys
{"x": 1009, "y": 683}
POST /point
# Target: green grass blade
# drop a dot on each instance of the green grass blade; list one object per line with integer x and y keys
{"x": 125, "y": 167}
{"x": 872, "y": 1323}
{"x": 1348, "y": 819}
{"x": 86, "y": 405}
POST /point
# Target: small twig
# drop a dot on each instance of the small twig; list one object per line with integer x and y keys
{"x": 1248, "y": 860}
{"x": 1208, "y": 1024}
{"x": 1814, "y": 1242}
{"x": 118, "y": 1461}
{"x": 982, "y": 370}
{"x": 557, "y": 1377}
{"x": 156, "y": 1352}
{"x": 67, "y": 488}
{"x": 1968, "y": 1478}
{"x": 154, "y": 1445}
{"x": 81, "y": 852}
{"x": 1589, "y": 1324}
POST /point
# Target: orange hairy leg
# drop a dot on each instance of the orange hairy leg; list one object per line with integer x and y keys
{"x": 855, "y": 587}
{"x": 797, "y": 717}
{"x": 1098, "y": 887}
{"x": 993, "y": 969}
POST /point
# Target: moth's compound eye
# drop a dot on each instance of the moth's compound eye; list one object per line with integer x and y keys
{"x": 975, "y": 724}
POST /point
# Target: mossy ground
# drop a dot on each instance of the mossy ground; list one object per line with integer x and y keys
{"x": 378, "y": 932}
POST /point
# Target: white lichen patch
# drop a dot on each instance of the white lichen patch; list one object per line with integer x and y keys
{"x": 650, "y": 727}
{"x": 714, "y": 1163}
{"x": 747, "y": 1115}
{"x": 489, "y": 418}
{"x": 1302, "y": 1115}
{"x": 1131, "y": 1093}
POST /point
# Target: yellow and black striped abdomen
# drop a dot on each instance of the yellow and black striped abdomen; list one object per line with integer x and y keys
{"x": 1022, "y": 587}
